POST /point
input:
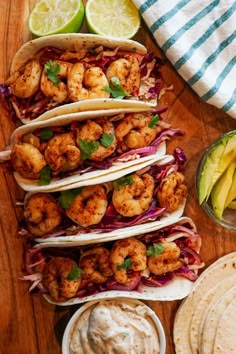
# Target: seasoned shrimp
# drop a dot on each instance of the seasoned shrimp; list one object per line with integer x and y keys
{"x": 128, "y": 72}
{"x": 89, "y": 206}
{"x": 133, "y": 199}
{"x": 172, "y": 191}
{"x": 56, "y": 278}
{"x": 42, "y": 214}
{"x": 25, "y": 82}
{"x": 167, "y": 261}
{"x": 131, "y": 249}
{"x": 86, "y": 83}
{"x": 96, "y": 265}
{"x": 58, "y": 92}
{"x": 95, "y": 131}
{"x": 27, "y": 160}
{"x": 61, "y": 153}
{"x": 135, "y": 132}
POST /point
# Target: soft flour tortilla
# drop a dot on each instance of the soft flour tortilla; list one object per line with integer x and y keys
{"x": 179, "y": 288}
{"x": 72, "y": 42}
{"x": 221, "y": 269}
{"x": 56, "y": 183}
{"x": 202, "y": 309}
{"x": 212, "y": 321}
{"x": 225, "y": 339}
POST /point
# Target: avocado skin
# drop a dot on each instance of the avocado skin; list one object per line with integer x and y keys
{"x": 220, "y": 191}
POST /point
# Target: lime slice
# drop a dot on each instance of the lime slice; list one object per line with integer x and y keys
{"x": 113, "y": 18}
{"x": 51, "y": 17}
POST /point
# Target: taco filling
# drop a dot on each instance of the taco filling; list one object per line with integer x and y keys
{"x": 54, "y": 77}
{"x": 143, "y": 196}
{"x": 54, "y": 152}
{"x": 151, "y": 260}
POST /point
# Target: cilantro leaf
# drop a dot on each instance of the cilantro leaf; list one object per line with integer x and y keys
{"x": 123, "y": 181}
{"x": 52, "y": 69}
{"x": 66, "y": 198}
{"x": 45, "y": 176}
{"x": 125, "y": 265}
{"x": 46, "y": 133}
{"x": 75, "y": 273}
{"x": 107, "y": 140}
{"x": 155, "y": 249}
{"x": 154, "y": 121}
{"x": 87, "y": 148}
{"x": 115, "y": 88}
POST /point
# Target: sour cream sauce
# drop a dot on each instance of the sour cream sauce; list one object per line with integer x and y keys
{"x": 115, "y": 327}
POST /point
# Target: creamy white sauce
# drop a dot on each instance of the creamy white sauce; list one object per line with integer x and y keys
{"x": 115, "y": 327}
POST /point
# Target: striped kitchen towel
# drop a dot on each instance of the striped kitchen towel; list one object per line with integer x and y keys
{"x": 198, "y": 37}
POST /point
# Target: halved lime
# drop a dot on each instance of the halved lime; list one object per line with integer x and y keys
{"x": 51, "y": 17}
{"x": 113, "y": 18}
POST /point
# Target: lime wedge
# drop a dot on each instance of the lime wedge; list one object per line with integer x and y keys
{"x": 113, "y": 18}
{"x": 51, "y": 17}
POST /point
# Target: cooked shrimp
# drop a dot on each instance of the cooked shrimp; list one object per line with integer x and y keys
{"x": 135, "y": 132}
{"x": 172, "y": 191}
{"x": 88, "y": 207}
{"x": 55, "y": 278}
{"x": 96, "y": 265}
{"x": 27, "y": 160}
{"x": 133, "y": 199}
{"x": 95, "y": 131}
{"x": 25, "y": 82}
{"x": 167, "y": 261}
{"x": 61, "y": 153}
{"x": 42, "y": 214}
{"x": 127, "y": 70}
{"x": 86, "y": 83}
{"x": 131, "y": 249}
{"x": 58, "y": 92}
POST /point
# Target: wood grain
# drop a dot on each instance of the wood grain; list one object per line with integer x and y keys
{"x": 28, "y": 324}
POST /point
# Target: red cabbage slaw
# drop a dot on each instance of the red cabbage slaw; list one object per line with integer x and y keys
{"x": 112, "y": 220}
{"x": 32, "y": 107}
{"x": 182, "y": 234}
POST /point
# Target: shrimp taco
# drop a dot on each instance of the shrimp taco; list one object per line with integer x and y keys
{"x": 67, "y": 68}
{"x": 82, "y": 146}
{"x": 113, "y": 209}
{"x": 161, "y": 264}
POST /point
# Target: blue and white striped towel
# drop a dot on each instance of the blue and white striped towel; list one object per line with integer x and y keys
{"x": 198, "y": 37}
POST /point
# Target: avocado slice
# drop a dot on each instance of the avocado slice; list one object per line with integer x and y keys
{"x": 220, "y": 191}
{"x": 227, "y": 157}
{"x": 232, "y": 192}
{"x": 209, "y": 169}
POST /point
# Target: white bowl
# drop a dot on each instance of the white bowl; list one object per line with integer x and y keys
{"x": 70, "y": 326}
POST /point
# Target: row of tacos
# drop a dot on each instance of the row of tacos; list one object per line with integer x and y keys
{"x": 96, "y": 170}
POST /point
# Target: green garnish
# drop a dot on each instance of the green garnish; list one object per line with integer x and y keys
{"x": 107, "y": 140}
{"x": 87, "y": 148}
{"x": 155, "y": 249}
{"x": 125, "y": 265}
{"x": 45, "y": 176}
{"x": 134, "y": 49}
{"x": 154, "y": 121}
{"x": 123, "y": 181}
{"x": 52, "y": 69}
{"x": 92, "y": 51}
{"x": 46, "y": 133}
{"x": 75, "y": 273}
{"x": 115, "y": 88}
{"x": 66, "y": 198}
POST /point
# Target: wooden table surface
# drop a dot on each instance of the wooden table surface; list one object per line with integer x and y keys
{"x": 28, "y": 324}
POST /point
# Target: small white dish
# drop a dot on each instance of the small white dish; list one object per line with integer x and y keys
{"x": 72, "y": 322}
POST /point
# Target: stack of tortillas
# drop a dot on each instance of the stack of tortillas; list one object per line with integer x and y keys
{"x": 205, "y": 321}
